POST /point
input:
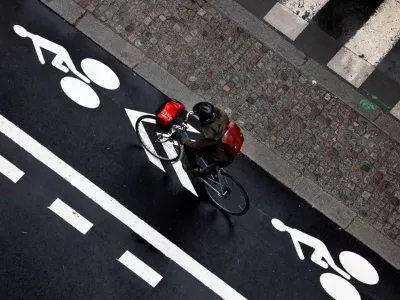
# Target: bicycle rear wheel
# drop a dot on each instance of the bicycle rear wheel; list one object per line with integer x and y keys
{"x": 155, "y": 140}
{"x": 226, "y": 193}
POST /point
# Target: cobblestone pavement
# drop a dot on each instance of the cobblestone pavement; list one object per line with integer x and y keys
{"x": 325, "y": 140}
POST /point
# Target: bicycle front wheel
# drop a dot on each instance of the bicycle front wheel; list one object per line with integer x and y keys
{"x": 155, "y": 140}
{"x": 226, "y": 193}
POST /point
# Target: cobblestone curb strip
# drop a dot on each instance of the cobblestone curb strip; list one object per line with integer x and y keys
{"x": 304, "y": 136}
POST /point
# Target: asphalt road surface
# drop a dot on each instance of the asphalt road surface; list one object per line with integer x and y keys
{"x": 74, "y": 182}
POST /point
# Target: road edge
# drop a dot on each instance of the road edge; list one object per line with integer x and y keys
{"x": 308, "y": 67}
{"x": 266, "y": 158}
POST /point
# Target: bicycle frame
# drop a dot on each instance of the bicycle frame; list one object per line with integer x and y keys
{"x": 219, "y": 182}
{"x": 183, "y": 127}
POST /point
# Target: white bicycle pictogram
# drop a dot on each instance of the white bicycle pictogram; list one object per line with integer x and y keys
{"x": 77, "y": 90}
{"x": 80, "y": 92}
{"x": 336, "y": 286}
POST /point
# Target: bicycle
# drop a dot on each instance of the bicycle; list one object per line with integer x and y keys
{"x": 224, "y": 191}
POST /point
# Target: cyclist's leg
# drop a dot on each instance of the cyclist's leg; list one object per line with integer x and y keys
{"x": 190, "y": 163}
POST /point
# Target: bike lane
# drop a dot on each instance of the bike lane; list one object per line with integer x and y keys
{"x": 247, "y": 253}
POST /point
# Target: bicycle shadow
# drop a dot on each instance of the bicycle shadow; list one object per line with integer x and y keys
{"x": 210, "y": 212}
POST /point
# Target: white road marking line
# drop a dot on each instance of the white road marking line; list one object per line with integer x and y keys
{"x": 71, "y": 216}
{"x": 379, "y": 34}
{"x": 177, "y": 165}
{"x": 365, "y": 50}
{"x": 283, "y": 19}
{"x": 182, "y": 175}
{"x": 140, "y": 268}
{"x": 10, "y": 170}
{"x": 396, "y": 110}
{"x": 118, "y": 211}
{"x": 133, "y": 116}
{"x": 305, "y": 9}
{"x": 291, "y": 17}
{"x": 351, "y": 67}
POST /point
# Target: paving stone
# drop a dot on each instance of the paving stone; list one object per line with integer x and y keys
{"x": 313, "y": 130}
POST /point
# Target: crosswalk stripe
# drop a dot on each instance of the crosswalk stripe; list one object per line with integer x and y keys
{"x": 305, "y": 9}
{"x": 357, "y": 59}
{"x": 140, "y": 268}
{"x": 396, "y": 111}
{"x": 10, "y": 170}
{"x": 292, "y": 16}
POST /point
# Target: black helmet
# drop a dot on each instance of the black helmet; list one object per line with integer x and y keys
{"x": 205, "y": 111}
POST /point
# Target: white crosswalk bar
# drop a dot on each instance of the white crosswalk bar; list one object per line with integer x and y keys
{"x": 71, "y": 216}
{"x": 357, "y": 59}
{"x": 292, "y": 16}
{"x": 396, "y": 111}
{"x": 10, "y": 170}
{"x": 140, "y": 268}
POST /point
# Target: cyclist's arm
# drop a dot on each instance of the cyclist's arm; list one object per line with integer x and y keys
{"x": 224, "y": 116}
{"x": 201, "y": 143}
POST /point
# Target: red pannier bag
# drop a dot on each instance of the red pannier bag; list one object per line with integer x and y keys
{"x": 233, "y": 139}
{"x": 168, "y": 112}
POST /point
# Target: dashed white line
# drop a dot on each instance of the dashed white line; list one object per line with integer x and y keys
{"x": 71, "y": 216}
{"x": 10, "y": 170}
{"x": 118, "y": 211}
{"x": 140, "y": 268}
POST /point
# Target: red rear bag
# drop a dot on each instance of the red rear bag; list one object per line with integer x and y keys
{"x": 168, "y": 112}
{"x": 233, "y": 139}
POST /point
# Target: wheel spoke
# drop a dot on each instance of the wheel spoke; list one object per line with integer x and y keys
{"x": 229, "y": 197}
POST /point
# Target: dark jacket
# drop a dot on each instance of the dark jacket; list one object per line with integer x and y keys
{"x": 210, "y": 142}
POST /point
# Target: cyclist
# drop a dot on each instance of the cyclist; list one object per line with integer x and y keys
{"x": 213, "y": 122}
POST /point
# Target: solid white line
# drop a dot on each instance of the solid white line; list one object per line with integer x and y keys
{"x": 71, "y": 216}
{"x": 140, "y": 227}
{"x": 140, "y": 268}
{"x": 10, "y": 170}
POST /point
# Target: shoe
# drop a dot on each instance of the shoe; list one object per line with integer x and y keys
{"x": 192, "y": 170}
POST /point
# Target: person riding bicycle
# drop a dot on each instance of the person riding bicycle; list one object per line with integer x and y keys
{"x": 213, "y": 123}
